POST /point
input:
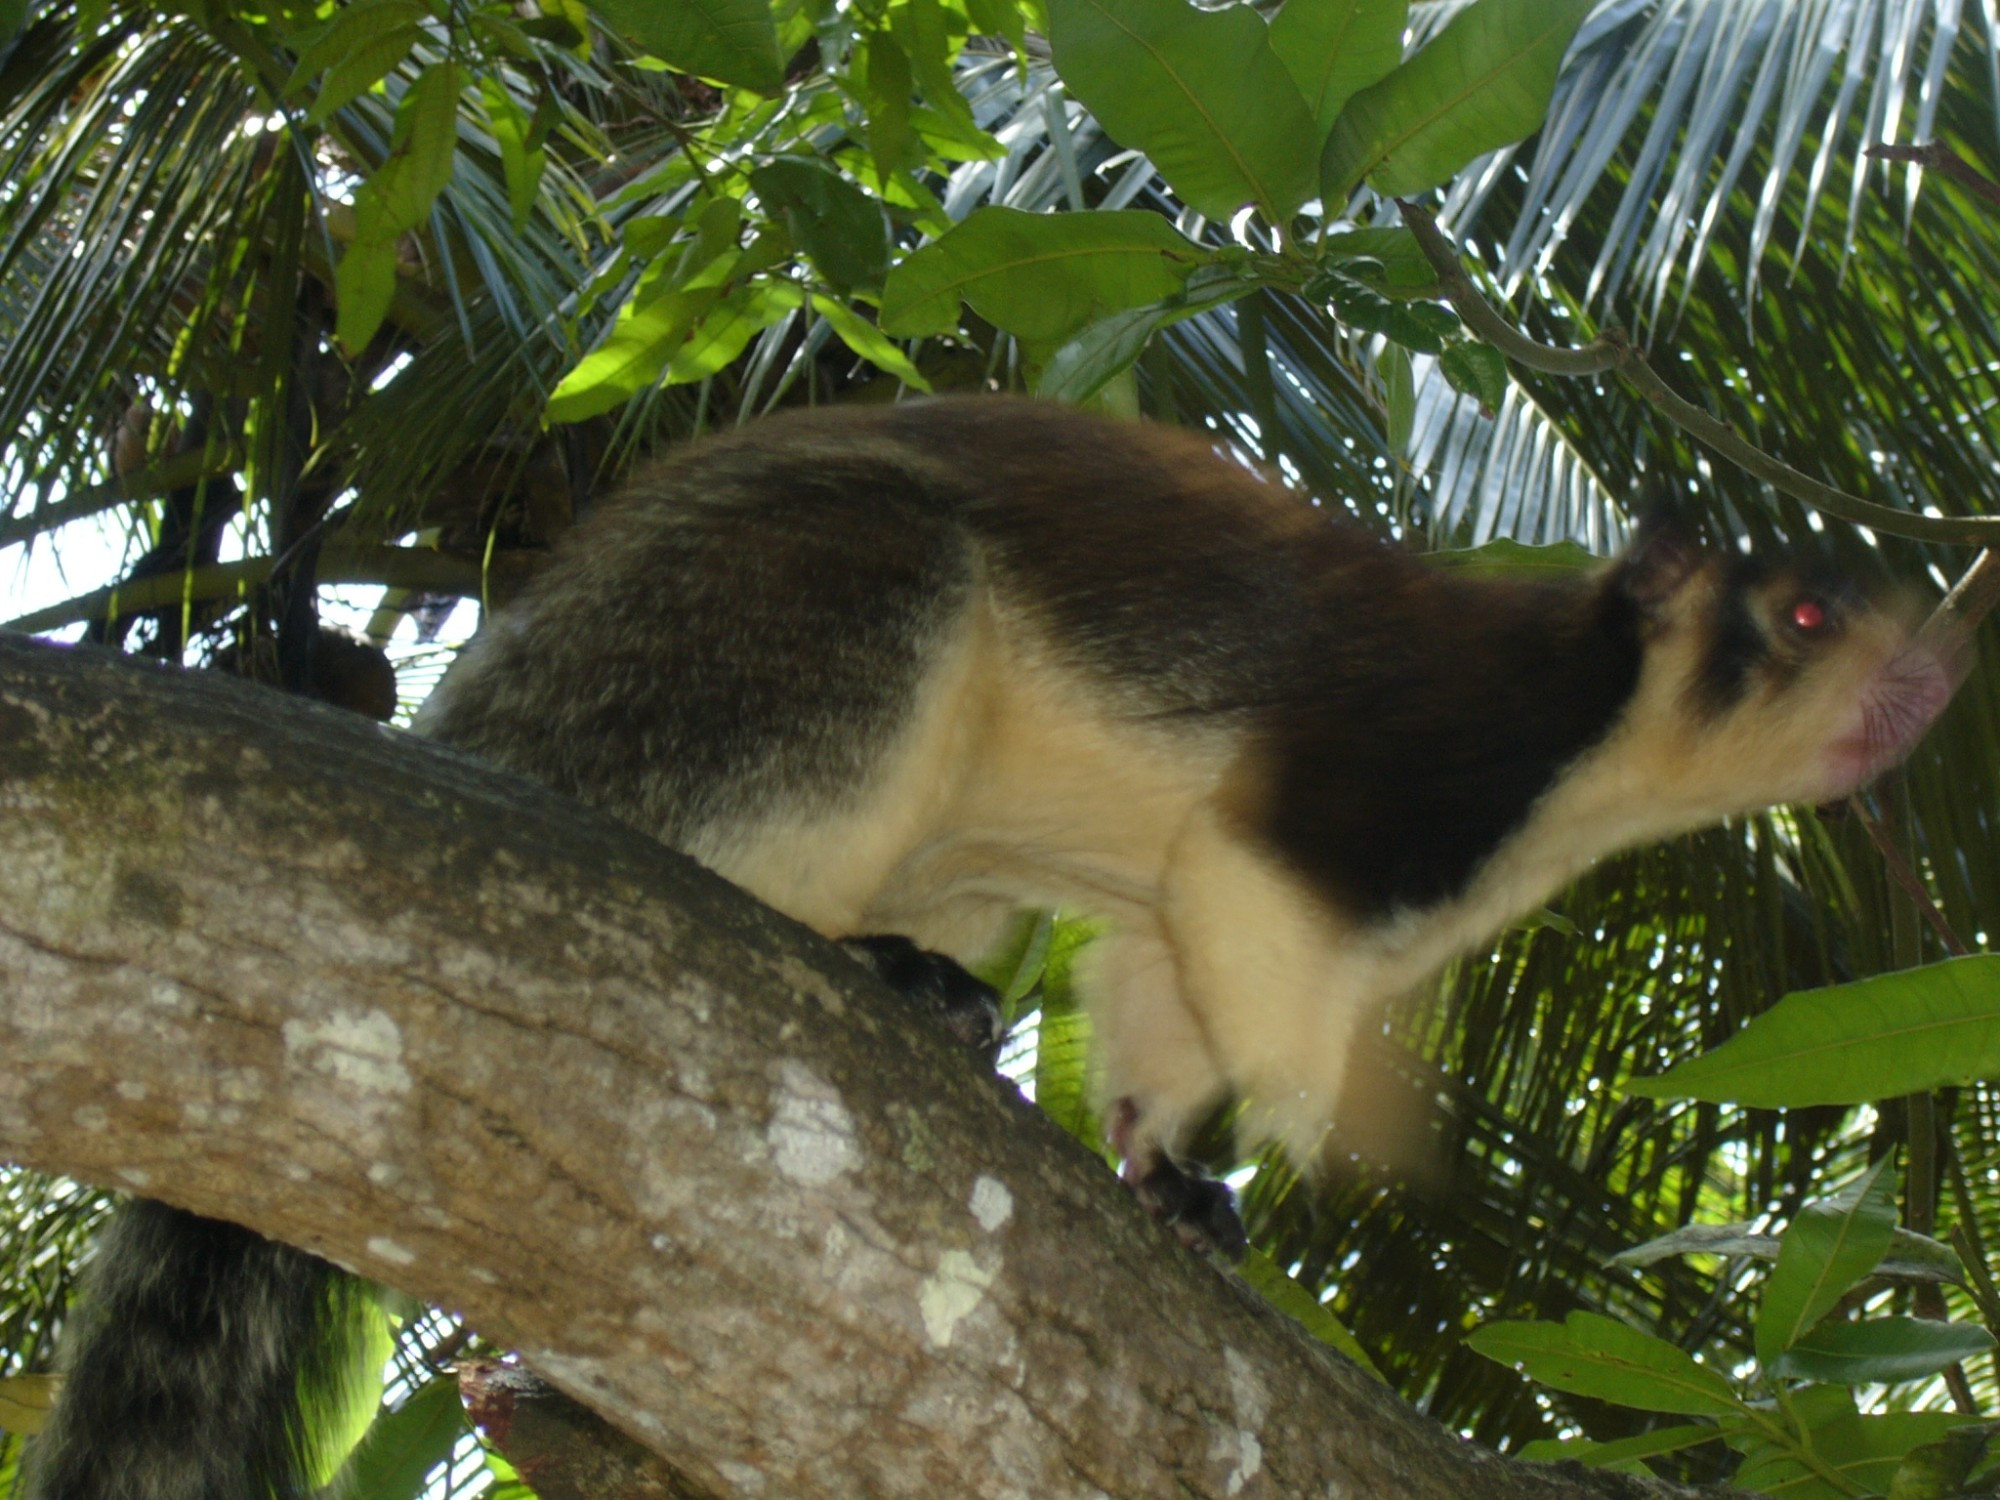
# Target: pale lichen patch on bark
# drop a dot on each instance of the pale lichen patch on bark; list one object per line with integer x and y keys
{"x": 1243, "y": 1449}
{"x": 951, "y": 1294}
{"x": 992, "y": 1205}
{"x": 748, "y": 1481}
{"x": 361, "y": 1050}
{"x": 811, "y": 1134}
{"x": 393, "y": 1253}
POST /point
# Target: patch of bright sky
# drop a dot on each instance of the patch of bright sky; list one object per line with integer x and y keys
{"x": 83, "y": 556}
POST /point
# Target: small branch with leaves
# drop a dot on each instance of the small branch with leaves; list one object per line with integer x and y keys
{"x": 1611, "y": 351}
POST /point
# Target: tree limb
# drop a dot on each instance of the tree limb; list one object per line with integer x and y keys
{"x": 278, "y": 964}
{"x": 1612, "y": 351}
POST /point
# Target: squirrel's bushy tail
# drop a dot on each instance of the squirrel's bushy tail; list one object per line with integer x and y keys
{"x": 201, "y": 1360}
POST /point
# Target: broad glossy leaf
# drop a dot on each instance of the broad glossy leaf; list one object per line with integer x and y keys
{"x": 1937, "y": 1470}
{"x": 404, "y": 1445}
{"x": 1863, "y": 1450}
{"x": 1399, "y": 395}
{"x": 1040, "y": 276}
{"x": 880, "y": 75}
{"x": 25, "y": 1401}
{"x": 1881, "y": 1350}
{"x": 360, "y": 68}
{"x": 1911, "y": 1256}
{"x": 1829, "y": 1247}
{"x": 1199, "y": 91}
{"x": 1624, "y": 1454}
{"x": 733, "y": 41}
{"x": 920, "y": 26}
{"x": 868, "y": 341}
{"x": 398, "y": 195}
{"x": 1592, "y": 1355}
{"x": 1421, "y": 327}
{"x": 1900, "y": 1033}
{"x": 631, "y": 357}
{"x": 1478, "y": 370}
{"x": 1481, "y": 83}
{"x": 521, "y": 165}
{"x": 348, "y": 30}
{"x": 1386, "y": 256}
{"x": 1293, "y": 1300}
{"x": 1107, "y": 348}
{"x": 838, "y": 225}
{"x": 364, "y": 287}
{"x": 1334, "y": 47}
{"x": 725, "y": 327}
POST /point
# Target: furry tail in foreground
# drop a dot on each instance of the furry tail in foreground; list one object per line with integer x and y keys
{"x": 202, "y": 1357}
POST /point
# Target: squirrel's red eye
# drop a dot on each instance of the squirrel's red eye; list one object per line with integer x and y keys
{"x": 1808, "y": 614}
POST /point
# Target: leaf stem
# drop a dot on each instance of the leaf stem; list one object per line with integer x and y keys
{"x": 1612, "y": 351}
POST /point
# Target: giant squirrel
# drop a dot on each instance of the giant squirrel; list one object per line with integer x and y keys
{"x": 905, "y": 670}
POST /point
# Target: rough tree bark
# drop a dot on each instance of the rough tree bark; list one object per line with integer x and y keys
{"x": 287, "y": 967}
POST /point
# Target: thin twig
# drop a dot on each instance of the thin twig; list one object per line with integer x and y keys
{"x": 1939, "y": 157}
{"x": 1882, "y": 835}
{"x": 1612, "y": 350}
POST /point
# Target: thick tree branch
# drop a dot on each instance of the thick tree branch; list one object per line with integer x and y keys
{"x": 281, "y": 965}
{"x": 564, "y": 1451}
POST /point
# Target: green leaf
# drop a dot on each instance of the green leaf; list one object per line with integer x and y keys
{"x": 350, "y": 29}
{"x": 731, "y": 41}
{"x": 1081, "y": 368}
{"x": 1039, "y": 276}
{"x": 1199, "y": 91}
{"x": 1481, "y": 83}
{"x": 1881, "y": 1350}
{"x": 1938, "y": 1470}
{"x": 720, "y": 333}
{"x": 1829, "y": 1247}
{"x": 1399, "y": 396}
{"x": 919, "y": 26}
{"x": 25, "y": 1401}
{"x": 1016, "y": 965}
{"x": 1334, "y": 47}
{"x": 631, "y": 358}
{"x": 880, "y": 75}
{"x": 337, "y": 1415}
{"x": 838, "y": 225}
{"x": 1386, "y": 257}
{"x": 396, "y": 198}
{"x": 1477, "y": 370}
{"x": 1062, "y": 1046}
{"x": 521, "y": 166}
{"x": 404, "y": 1445}
{"x": 364, "y": 287}
{"x": 1624, "y": 1454}
{"x": 1592, "y": 1355}
{"x": 1901, "y": 1033}
{"x": 1864, "y": 1450}
{"x": 1295, "y": 1302}
{"x": 360, "y": 69}
{"x": 868, "y": 341}
{"x": 1911, "y": 1257}
{"x": 1504, "y": 555}
{"x": 1419, "y": 326}
{"x": 398, "y": 195}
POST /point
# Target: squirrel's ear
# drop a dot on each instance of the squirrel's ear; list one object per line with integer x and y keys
{"x": 1665, "y": 551}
